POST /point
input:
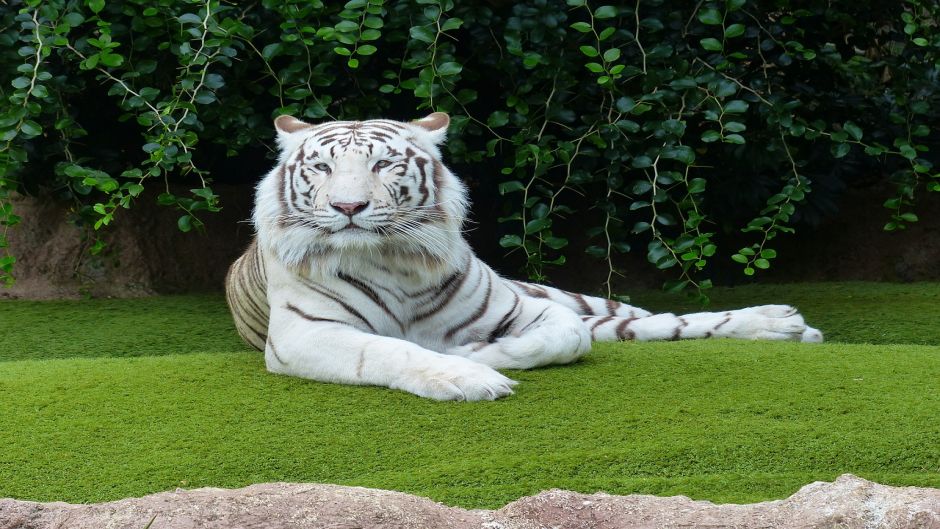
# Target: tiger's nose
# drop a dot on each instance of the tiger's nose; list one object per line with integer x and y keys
{"x": 349, "y": 208}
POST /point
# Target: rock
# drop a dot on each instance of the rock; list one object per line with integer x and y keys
{"x": 849, "y": 502}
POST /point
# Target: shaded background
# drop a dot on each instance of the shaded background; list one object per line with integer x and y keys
{"x": 146, "y": 254}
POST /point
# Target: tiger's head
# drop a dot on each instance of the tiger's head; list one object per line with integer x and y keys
{"x": 353, "y": 187}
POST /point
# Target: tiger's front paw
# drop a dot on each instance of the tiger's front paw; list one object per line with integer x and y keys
{"x": 455, "y": 378}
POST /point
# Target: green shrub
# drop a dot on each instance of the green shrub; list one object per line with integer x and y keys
{"x": 659, "y": 123}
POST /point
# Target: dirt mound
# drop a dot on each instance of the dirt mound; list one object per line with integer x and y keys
{"x": 145, "y": 253}
{"x": 849, "y": 502}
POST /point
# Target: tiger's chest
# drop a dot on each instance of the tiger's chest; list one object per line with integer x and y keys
{"x": 399, "y": 302}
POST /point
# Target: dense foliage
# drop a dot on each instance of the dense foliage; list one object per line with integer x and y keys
{"x": 657, "y": 124}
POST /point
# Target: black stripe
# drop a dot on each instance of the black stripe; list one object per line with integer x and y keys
{"x": 600, "y": 322}
{"x": 274, "y": 352}
{"x": 678, "y": 332}
{"x": 477, "y": 314}
{"x": 308, "y": 317}
{"x": 238, "y": 306}
{"x": 724, "y": 321}
{"x": 506, "y": 323}
{"x": 533, "y": 291}
{"x": 581, "y": 302}
{"x": 612, "y": 307}
{"x": 423, "y": 187}
{"x": 373, "y": 295}
{"x": 447, "y": 291}
{"x": 622, "y": 332}
{"x": 335, "y": 297}
{"x": 387, "y": 290}
{"x": 535, "y": 321}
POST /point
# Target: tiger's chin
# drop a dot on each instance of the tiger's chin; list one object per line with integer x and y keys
{"x": 355, "y": 238}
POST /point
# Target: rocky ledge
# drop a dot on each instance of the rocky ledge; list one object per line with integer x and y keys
{"x": 849, "y": 502}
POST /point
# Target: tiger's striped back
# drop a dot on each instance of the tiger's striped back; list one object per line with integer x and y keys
{"x": 246, "y": 293}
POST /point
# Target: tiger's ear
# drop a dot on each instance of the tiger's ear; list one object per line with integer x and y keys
{"x": 435, "y": 125}
{"x": 286, "y": 126}
{"x": 289, "y": 124}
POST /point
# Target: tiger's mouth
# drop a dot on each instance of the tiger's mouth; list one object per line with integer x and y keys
{"x": 352, "y": 228}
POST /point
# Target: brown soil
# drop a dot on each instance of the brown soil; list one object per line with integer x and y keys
{"x": 849, "y": 503}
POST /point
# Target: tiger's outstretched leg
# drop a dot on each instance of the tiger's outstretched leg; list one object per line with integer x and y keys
{"x": 765, "y": 322}
{"x": 610, "y": 320}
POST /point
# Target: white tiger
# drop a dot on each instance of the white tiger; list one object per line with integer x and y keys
{"x": 359, "y": 274}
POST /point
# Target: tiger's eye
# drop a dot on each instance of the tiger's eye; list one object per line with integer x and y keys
{"x": 322, "y": 167}
{"x": 381, "y": 164}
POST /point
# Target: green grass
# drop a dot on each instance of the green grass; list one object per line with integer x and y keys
{"x": 111, "y": 398}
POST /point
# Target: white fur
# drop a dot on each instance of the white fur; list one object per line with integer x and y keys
{"x": 355, "y": 307}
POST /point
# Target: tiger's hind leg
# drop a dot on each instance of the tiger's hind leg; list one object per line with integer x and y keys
{"x": 611, "y": 320}
{"x": 765, "y": 322}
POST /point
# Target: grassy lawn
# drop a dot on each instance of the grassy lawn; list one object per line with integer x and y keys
{"x": 104, "y": 399}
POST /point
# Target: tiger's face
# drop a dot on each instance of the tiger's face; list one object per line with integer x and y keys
{"x": 361, "y": 185}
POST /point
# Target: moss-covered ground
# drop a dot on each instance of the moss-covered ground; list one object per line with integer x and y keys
{"x": 103, "y": 399}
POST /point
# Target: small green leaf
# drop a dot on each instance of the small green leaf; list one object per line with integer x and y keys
{"x": 184, "y": 223}
{"x": 422, "y": 33}
{"x": 734, "y": 30}
{"x": 839, "y": 150}
{"x": 711, "y": 135}
{"x": 31, "y": 128}
{"x": 555, "y": 243}
{"x": 710, "y": 16}
{"x": 366, "y": 49}
{"x": 498, "y": 119}
{"x": 537, "y": 225}
{"x": 95, "y": 5}
{"x": 854, "y": 130}
{"x": 509, "y": 187}
{"x": 188, "y": 18}
{"x": 451, "y": 23}
{"x": 735, "y": 106}
{"x": 582, "y": 27}
{"x": 449, "y": 68}
{"x": 603, "y": 12}
{"x": 590, "y": 51}
{"x": 624, "y": 104}
{"x": 711, "y": 44}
